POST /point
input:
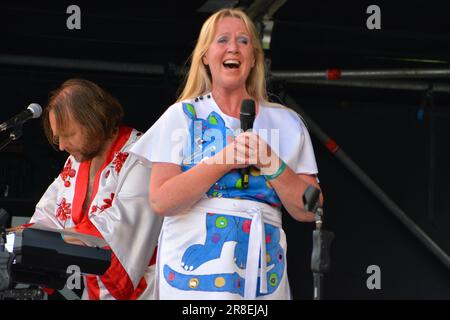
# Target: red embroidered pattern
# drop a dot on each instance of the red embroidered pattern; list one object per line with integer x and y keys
{"x": 107, "y": 204}
{"x": 119, "y": 160}
{"x": 64, "y": 211}
{"x": 67, "y": 173}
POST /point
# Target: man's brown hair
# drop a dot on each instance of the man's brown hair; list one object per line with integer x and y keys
{"x": 91, "y": 106}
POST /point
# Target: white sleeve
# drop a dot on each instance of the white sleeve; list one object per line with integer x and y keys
{"x": 129, "y": 226}
{"x": 165, "y": 139}
{"x": 306, "y": 162}
{"x": 296, "y": 146}
{"x": 44, "y": 214}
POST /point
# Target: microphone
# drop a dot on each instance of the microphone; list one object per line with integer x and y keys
{"x": 247, "y": 116}
{"x": 33, "y": 111}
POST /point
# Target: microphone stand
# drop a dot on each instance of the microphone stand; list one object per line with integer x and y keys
{"x": 320, "y": 258}
{"x": 15, "y": 134}
{"x": 6, "y": 258}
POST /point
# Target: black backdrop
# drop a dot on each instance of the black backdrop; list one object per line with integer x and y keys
{"x": 386, "y": 132}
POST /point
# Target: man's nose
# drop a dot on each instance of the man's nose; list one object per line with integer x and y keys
{"x": 62, "y": 144}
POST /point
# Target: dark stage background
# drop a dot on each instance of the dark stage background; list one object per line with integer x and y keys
{"x": 395, "y": 137}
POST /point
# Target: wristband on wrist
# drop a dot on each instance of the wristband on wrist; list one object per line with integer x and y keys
{"x": 276, "y": 174}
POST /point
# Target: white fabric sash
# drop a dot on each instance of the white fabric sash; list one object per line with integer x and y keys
{"x": 259, "y": 213}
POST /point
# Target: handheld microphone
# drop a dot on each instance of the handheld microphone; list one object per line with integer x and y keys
{"x": 247, "y": 116}
{"x": 33, "y": 111}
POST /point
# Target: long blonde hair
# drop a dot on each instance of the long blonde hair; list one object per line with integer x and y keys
{"x": 198, "y": 80}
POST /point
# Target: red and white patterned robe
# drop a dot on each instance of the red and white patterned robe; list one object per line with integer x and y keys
{"x": 119, "y": 212}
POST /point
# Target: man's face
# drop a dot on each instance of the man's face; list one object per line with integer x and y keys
{"x": 73, "y": 139}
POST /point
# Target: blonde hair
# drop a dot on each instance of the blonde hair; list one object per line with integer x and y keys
{"x": 198, "y": 79}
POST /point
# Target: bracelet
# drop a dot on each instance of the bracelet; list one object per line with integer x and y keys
{"x": 276, "y": 174}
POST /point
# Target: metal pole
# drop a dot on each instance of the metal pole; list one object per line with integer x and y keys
{"x": 428, "y": 105}
{"x": 385, "y": 84}
{"x": 334, "y": 148}
{"x": 335, "y": 74}
{"x": 311, "y": 77}
{"x": 63, "y": 63}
